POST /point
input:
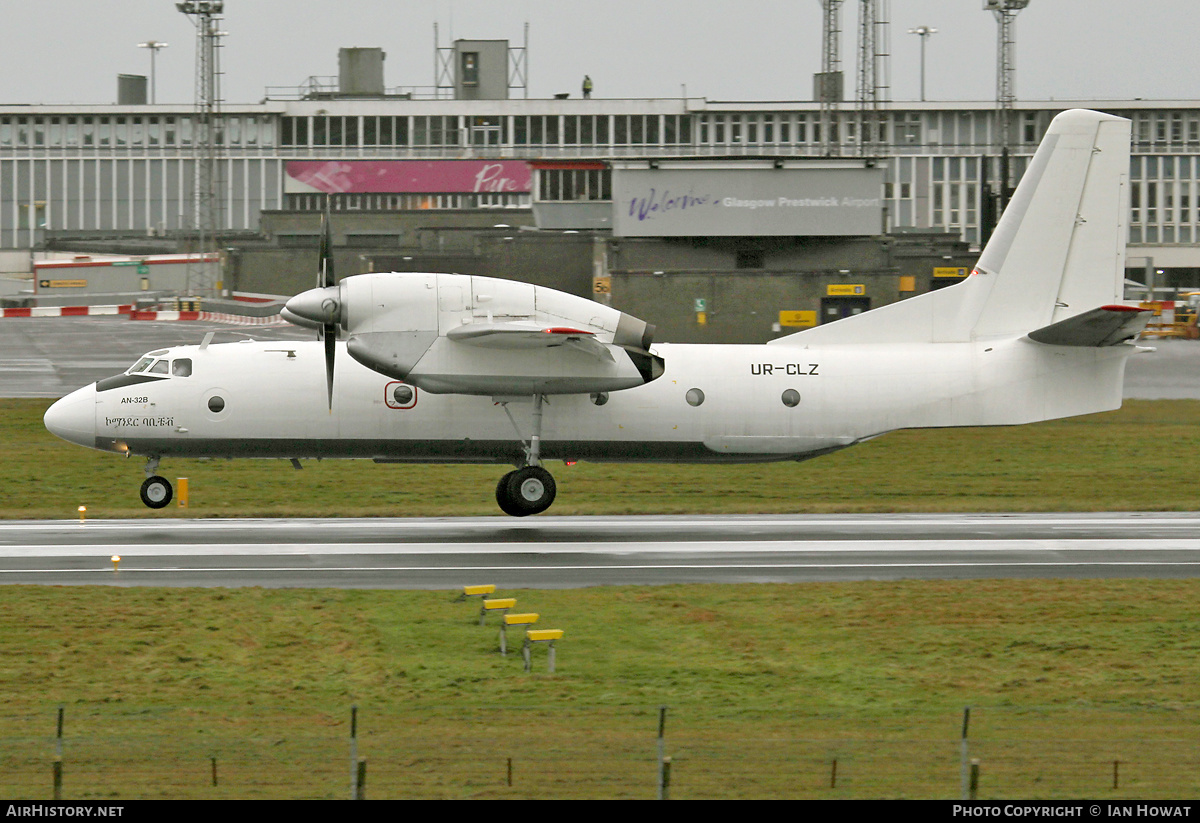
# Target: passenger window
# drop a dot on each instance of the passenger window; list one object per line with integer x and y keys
{"x": 160, "y": 367}
{"x": 182, "y": 367}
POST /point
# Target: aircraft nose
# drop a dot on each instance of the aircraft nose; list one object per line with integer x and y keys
{"x": 73, "y": 418}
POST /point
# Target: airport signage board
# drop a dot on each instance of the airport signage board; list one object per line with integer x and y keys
{"x": 747, "y": 202}
{"x": 845, "y": 290}
{"x": 798, "y": 318}
{"x": 407, "y": 176}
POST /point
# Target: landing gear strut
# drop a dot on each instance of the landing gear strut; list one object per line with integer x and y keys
{"x": 529, "y": 489}
{"x": 156, "y": 491}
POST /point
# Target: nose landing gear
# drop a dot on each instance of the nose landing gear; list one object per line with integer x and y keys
{"x": 156, "y": 491}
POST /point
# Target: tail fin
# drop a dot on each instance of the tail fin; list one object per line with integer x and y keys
{"x": 1058, "y": 250}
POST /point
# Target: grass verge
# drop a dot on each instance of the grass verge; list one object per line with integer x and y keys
{"x": 766, "y": 686}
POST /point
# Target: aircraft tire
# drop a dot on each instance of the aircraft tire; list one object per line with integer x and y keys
{"x": 157, "y": 492}
{"x": 526, "y": 491}
{"x": 503, "y": 497}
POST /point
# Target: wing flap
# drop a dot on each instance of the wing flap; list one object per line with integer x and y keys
{"x": 526, "y": 335}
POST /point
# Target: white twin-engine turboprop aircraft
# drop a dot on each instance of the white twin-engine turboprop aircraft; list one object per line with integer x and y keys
{"x": 460, "y": 369}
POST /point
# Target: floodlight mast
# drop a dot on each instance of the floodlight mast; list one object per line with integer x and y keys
{"x": 829, "y": 90}
{"x": 1005, "y": 12}
{"x": 874, "y": 84}
{"x": 923, "y": 32}
{"x": 154, "y": 47}
{"x": 202, "y": 277}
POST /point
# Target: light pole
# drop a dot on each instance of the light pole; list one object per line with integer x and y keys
{"x": 923, "y": 32}
{"x": 154, "y": 46}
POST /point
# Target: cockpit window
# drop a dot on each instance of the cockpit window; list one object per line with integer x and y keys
{"x": 141, "y": 365}
{"x": 159, "y": 367}
{"x": 182, "y": 367}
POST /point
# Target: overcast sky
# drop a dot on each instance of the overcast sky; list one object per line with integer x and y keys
{"x": 71, "y": 51}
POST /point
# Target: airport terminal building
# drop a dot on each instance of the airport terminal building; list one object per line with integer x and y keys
{"x": 104, "y": 168}
{"x": 727, "y": 187}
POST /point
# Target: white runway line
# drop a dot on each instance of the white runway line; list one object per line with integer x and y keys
{"x": 504, "y": 524}
{"x": 614, "y": 547}
{"x": 748, "y": 569}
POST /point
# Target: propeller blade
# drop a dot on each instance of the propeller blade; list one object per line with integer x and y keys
{"x": 325, "y": 276}
{"x": 330, "y": 335}
{"x": 326, "y": 279}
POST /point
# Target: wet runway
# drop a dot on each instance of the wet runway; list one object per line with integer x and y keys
{"x": 567, "y": 552}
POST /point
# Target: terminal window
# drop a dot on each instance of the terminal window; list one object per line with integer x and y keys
{"x": 470, "y": 68}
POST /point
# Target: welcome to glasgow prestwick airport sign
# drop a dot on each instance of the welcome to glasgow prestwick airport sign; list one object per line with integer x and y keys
{"x": 732, "y": 202}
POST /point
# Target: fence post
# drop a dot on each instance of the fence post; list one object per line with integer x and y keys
{"x": 213, "y": 758}
{"x": 58, "y": 756}
{"x": 963, "y": 765}
{"x": 1116, "y": 773}
{"x": 974, "y": 779}
{"x": 360, "y": 782}
{"x": 833, "y": 775}
{"x": 662, "y": 760}
{"x": 354, "y": 752}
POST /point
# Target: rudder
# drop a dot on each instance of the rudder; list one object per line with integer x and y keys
{"x": 1059, "y": 248}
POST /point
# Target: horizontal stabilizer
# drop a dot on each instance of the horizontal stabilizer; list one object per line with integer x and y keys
{"x": 1105, "y": 326}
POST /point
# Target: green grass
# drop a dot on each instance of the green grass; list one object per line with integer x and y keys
{"x": 765, "y": 684}
{"x": 1141, "y": 457}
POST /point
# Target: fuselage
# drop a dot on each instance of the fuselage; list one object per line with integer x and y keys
{"x": 714, "y": 403}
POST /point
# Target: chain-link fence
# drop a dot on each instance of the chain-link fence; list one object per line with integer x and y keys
{"x": 112, "y": 752}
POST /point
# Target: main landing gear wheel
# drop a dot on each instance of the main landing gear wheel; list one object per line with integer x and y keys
{"x": 156, "y": 492}
{"x": 525, "y": 491}
{"x": 529, "y": 490}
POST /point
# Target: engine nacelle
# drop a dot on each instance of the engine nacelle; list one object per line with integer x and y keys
{"x": 463, "y": 334}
